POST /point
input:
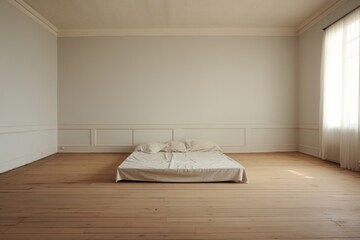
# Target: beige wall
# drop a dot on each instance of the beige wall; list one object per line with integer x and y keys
{"x": 244, "y": 85}
{"x": 246, "y": 93}
{"x": 28, "y": 89}
{"x": 309, "y": 70}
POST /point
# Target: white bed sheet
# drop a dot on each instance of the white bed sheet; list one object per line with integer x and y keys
{"x": 181, "y": 167}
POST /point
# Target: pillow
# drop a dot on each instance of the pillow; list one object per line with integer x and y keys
{"x": 175, "y": 146}
{"x": 201, "y": 146}
{"x": 151, "y": 147}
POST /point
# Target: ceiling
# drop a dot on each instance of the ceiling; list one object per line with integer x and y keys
{"x": 72, "y": 15}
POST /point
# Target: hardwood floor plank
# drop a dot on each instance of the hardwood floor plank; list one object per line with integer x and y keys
{"x": 74, "y": 196}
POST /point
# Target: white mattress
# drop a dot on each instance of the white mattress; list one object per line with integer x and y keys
{"x": 181, "y": 167}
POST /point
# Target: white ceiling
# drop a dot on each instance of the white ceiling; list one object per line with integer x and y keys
{"x": 113, "y": 14}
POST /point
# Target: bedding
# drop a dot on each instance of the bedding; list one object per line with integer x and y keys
{"x": 151, "y": 147}
{"x": 175, "y": 146}
{"x": 181, "y": 167}
{"x": 195, "y": 145}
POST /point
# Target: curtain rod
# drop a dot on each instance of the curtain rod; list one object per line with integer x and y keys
{"x": 340, "y": 18}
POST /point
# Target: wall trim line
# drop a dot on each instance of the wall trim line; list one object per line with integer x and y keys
{"x": 319, "y": 15}
{"x": 34, "y": 15}
{"x": 308, "y": 127}
{"x": 286, "y": 31}
{"x": 26, "y": 128}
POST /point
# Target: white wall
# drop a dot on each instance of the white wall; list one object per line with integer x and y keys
{"x": 28, "y": 95}
{"x": 246, "y": 93}
{"x": 116, "y": 92}
{"x": 309, "y": 70}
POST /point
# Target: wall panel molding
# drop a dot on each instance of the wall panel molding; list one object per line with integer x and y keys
{"x": 123, "y": 137}
{"x": 224, "y": 136}
{"x": 113, "y": 137}
{"x": 75, "y": 137}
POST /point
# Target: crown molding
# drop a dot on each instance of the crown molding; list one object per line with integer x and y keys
{"x": 287, "y": 31}
{"x": 318, "y": 15}
{"x": 180, "y": 32}
{"x": 34, "y": 15}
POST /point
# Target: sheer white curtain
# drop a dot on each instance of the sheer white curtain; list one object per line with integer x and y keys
{"x": 340, "y": 93}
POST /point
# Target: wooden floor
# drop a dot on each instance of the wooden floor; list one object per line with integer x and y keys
{"x": 74, "y": 196}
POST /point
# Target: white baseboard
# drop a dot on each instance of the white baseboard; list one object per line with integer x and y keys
{"x": 26, "y": 159}
{"x": 24, "y": 144}
{"x": 308, "y": 140}
{"x": 313, "y": 151}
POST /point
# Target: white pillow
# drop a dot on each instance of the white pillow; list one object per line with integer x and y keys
{"x": 175, "y": 146}
{"x": 201, "y": 146}
{"x": 151, "y": 147}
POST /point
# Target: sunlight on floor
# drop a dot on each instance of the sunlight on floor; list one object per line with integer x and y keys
{"x": 300, "y": 174}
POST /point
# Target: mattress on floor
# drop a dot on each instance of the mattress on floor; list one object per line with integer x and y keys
{"x": 181, "y": 167}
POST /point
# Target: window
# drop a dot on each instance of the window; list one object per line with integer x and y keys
{"x": 340, "y": 92}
